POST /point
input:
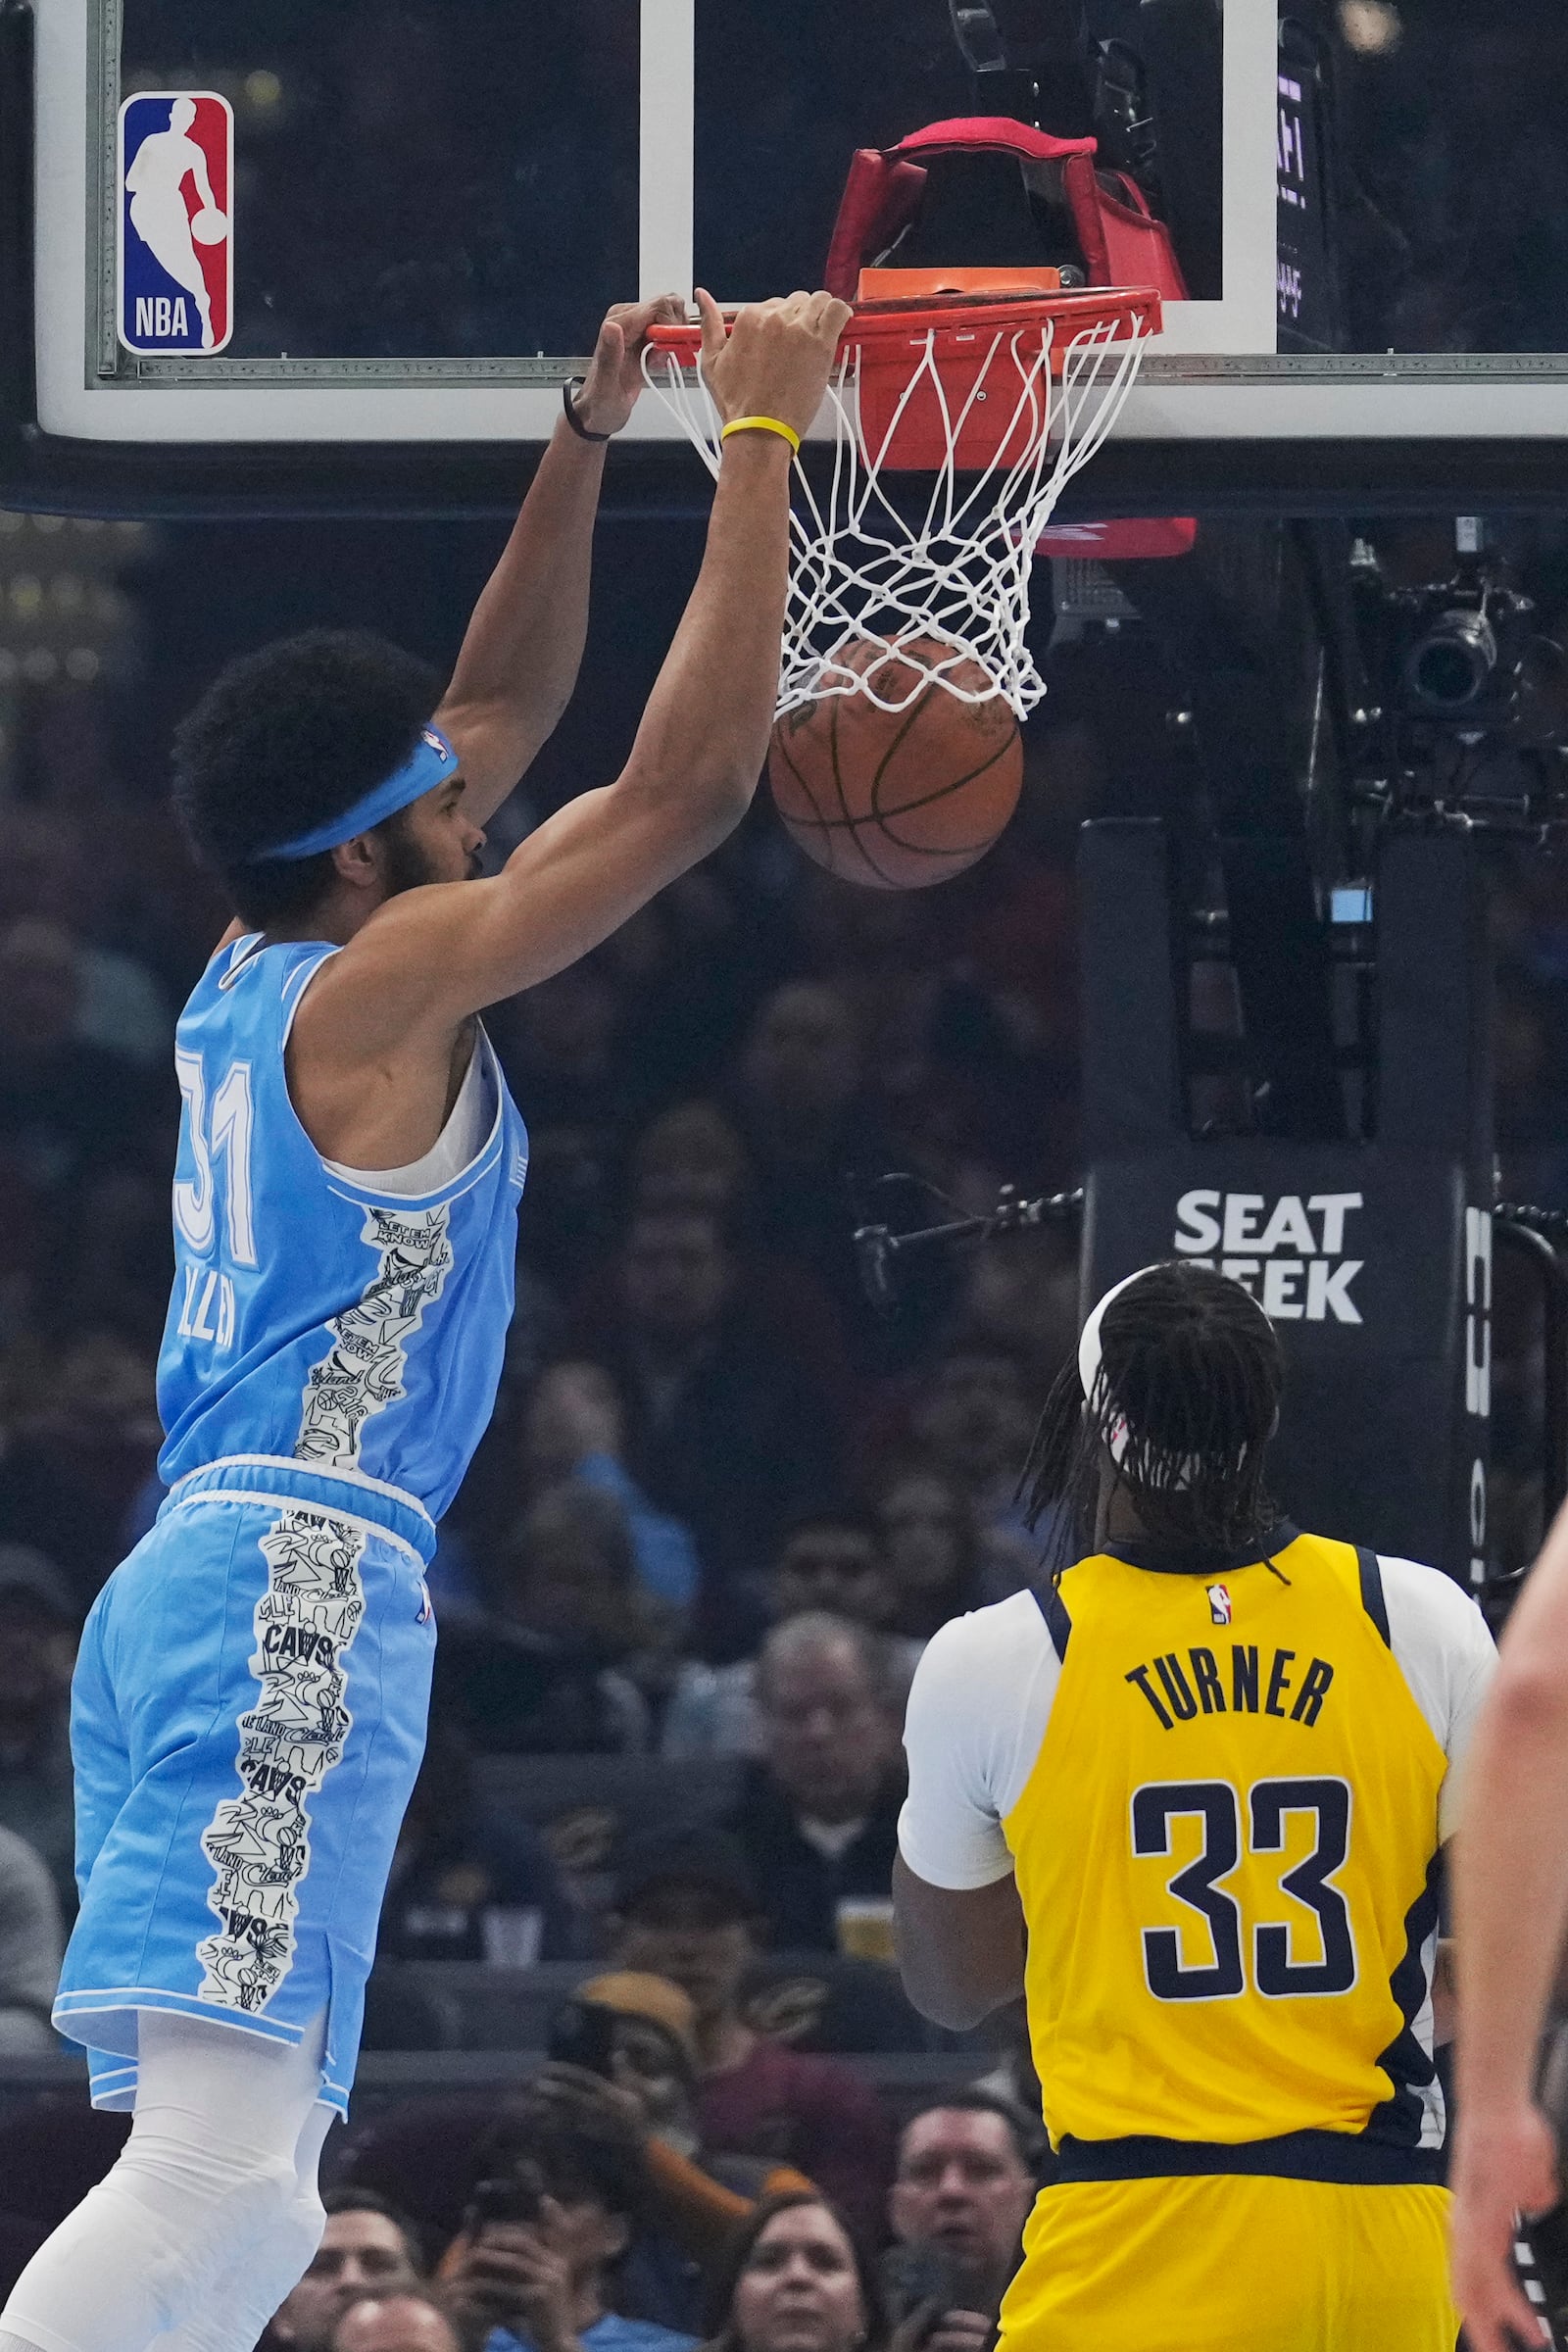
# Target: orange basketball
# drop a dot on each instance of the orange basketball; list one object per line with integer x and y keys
{"x": 898, "y": 799}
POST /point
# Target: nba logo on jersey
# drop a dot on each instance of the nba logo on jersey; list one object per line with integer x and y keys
{"x": 1219, "y": 1603}
{"x": 177, "y": 242}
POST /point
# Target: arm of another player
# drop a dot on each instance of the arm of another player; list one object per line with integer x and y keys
{"x": 1510, "y": 1904}
{"x": 429, "y": 957}
{"x": 976, "y": 1715}
{"x": 523, "y": 646}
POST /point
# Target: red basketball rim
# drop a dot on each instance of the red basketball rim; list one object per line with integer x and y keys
{"x": 897, "y": 322}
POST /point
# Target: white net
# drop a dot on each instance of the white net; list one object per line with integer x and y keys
{"x": 873, "y": 571}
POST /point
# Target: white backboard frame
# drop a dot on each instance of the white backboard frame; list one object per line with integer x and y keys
{"x": 1213, "y": 376}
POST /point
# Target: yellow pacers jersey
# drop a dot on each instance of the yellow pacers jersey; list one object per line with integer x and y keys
{"x": 1225, "y": 1854}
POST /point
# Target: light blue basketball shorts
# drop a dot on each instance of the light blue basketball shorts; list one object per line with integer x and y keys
{"x": 247, "y": 1719}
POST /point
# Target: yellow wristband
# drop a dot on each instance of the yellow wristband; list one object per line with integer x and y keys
{"x": 762, "y": 424}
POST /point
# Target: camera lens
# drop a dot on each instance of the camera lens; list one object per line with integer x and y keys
{"x": 1450, "y": 668}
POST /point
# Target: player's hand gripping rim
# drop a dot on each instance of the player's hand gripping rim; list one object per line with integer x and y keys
{"x": 615, "y": 375}
{"x": 775, "y": 358}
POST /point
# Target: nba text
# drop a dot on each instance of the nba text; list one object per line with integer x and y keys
{"x": 162, "y": 316}
{"x": 1289, "y": 1253}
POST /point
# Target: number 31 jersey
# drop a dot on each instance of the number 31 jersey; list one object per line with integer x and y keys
{"x": 314, "y": 1318}
{"x": 1223, "y": 1796}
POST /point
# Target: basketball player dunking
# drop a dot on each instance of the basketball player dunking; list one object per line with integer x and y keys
{"x": 250, "y": 1698}
{"x": 1208, "y": 1769}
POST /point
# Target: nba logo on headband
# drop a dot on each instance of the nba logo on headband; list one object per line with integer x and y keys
{"x": 176, "y": 239}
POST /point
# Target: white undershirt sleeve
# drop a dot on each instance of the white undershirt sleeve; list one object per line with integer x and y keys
{"x": 1447, "y": 1654}
{"x": 977, "y": 1714}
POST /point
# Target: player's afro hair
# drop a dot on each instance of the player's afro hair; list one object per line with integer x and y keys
{"x": 284, "y": 739}
{"x": 1193, "y": 1369}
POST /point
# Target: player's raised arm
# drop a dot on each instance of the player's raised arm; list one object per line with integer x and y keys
{"x": 1510, "y": 1901}
{"x": 429, "y": 957}
{"x": 523, "y": 648}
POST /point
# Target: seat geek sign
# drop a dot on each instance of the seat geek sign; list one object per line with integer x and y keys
{"x": 1293, "y": 1252}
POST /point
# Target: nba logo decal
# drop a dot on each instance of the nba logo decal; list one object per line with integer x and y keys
{"x": 1219, "y": 1603}
{"x": 176, "y": 240}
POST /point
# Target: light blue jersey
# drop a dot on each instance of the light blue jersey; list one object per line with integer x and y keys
{"x": 248, "y": 1709}
{"x": 358, "y": 1331}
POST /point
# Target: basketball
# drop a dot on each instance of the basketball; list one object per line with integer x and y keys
{"x": 898, "y": 799}
{"x": 210, "y": 226}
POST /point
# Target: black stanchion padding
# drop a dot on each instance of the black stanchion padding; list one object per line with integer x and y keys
{"x": 1371, "y": 1257}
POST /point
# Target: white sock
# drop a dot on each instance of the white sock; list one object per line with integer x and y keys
{"x": 208, "y": 2186}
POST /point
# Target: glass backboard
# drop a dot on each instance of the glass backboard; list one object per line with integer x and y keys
{"x": 432, "y": 202}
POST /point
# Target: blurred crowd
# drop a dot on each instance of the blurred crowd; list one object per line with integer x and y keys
{"x": 721, "y": 1504}
{"x": 720, "y": 1507}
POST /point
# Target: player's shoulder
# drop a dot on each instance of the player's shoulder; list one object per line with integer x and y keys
{"x": 1425, "y": 1604}
{"x": 988, "y": 1651}
{"x": 983, "y": 1637}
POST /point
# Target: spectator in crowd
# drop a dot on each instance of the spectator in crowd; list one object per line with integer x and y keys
{"x": 693, "y": 2199}
{"x": 547, "y": 2284}
{"x": 965, "y": 2186}
{"x": 540, "y": 1674}
{"x": 692, "y": 966}
{"x": 79, "y": 1450}
{"x": 366, "y": 2249}
{"x": 119, "y": 1006}
{"x": 560, "y": 1042}
{"x": 692, "y": 1157}
{"x": 817, "y": 1820}
{"x": 796, "y": 2282}
{"x": 427, "y": 2155}
{"x": 688, "y": 1910}
{"x": 32, "y": 1947}
{"x": 929, "y": 1548}
{"x": 971, "y": 1421}
{"x": 833, "y": 1560}
{"x": 806, "y": 1120}
{"x": 112, "y": 1265}
{"x": 575, "y": 1428}
{"x": 403, "y": 2320}
{"x": 469, "y": 1880}
{"x": 40, "y": 1619}
{"x": 725, "y": 1432}
{"x": 67, "y": 1107}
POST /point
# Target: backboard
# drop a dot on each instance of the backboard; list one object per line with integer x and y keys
{"x": 432, "y": 202}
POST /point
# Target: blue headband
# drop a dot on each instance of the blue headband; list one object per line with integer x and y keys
{"x": 431, "y": 763}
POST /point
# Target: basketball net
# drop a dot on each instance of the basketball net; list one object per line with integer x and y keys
{"x": 1001, "y": 412}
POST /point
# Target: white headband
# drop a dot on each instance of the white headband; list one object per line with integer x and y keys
{"x": 1089, "y": 1373}
{"x": 1089, "y": 1358}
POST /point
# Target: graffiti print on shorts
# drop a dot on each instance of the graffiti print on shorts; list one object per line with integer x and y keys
{"x": 290, "y": 1737}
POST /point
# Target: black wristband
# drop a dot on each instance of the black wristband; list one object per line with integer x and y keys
{"x": 574, "y": 383}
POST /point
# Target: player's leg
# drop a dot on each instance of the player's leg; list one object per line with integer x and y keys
{"x": 208, "y": 2184}
{"x": 244, "y": 2297}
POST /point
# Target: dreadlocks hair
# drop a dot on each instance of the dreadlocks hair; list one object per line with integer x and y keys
{"x": 1188, "y": 1394}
